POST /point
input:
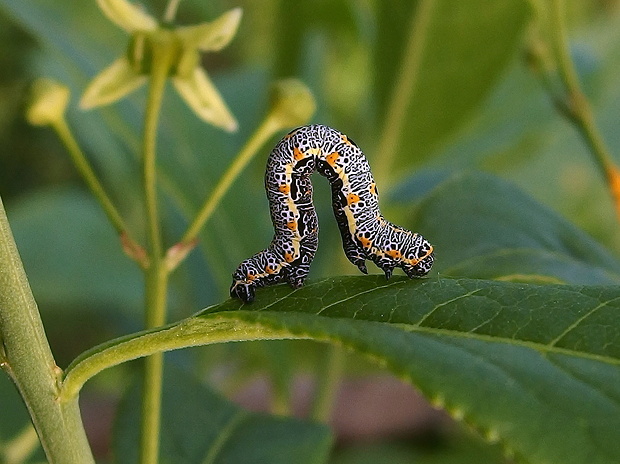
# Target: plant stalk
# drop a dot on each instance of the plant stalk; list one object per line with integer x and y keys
{"x": 327, "y": 385}
{"x": 577, "y": 106}
{"x": 193, "y": 331}
{"x": 28, "y": 360}
{"x": 130, "y": 246}
{"x": 404, "y": 89}
{"x": 156, "y": 275}
{"x": 268, "y": 127}
{"x": 90, "y": 178}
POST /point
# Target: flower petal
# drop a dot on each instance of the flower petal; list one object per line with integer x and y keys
{"x": 201, "y": 95}
{"x": 111, "y": 84}
{"x": 214, "y": 35}
{"x": 127, "y": 15}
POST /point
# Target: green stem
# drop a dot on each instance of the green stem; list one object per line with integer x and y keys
{"x": 281, "y": 402}
{"x": 193, "y": 331}
{"x": 249, "y": 150}
{"x": 85, "y": 170}
{"x": 156, "y": 278}
{"x": 162, "y": 60}
{"x": 327, "y": 386}
{"x": 281, "y": 376}
{"x": 578, "y": 106}
{"x": 156, "y": 289}
{"x": 404, "y": 88}
{"x": 28, "y": 360}
{"x": 131, "y": 247}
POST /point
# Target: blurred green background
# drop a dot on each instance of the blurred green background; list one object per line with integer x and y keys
{"x": 475, "y": 106}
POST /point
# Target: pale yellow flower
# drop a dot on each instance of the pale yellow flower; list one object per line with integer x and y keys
{"x": 131, "y": 70}
{"x": 48, "y": 103}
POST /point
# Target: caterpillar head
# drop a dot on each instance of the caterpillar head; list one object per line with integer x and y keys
{"x": 398, "y": 247}
{"x": 418, "y": 258}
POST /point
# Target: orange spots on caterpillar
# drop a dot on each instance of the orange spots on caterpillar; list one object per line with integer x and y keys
{"x": 288, "y": 257}
{"x": 393, "y": 253}
{"x": 352, "y": 198}
{"x": 414, "y": 261}
{"x": 373, "y": 189}
{"x": 346, "y": 140}
{"x": 332, "y": 158}
{"x": 366, "y": 242}
{"x": 285, "y": 189}
{"x": 298, "y": 154}
{"x": 292, "y": 225}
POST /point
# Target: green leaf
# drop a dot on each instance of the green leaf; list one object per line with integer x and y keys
{"x": 435, "y": 62}
{"x": 199, "y": 426}
{"x": 516, "y": 361}
{"x": 502, "y": 233}
{"x": 72, "y": 254}
{"x": 460, "y": 449}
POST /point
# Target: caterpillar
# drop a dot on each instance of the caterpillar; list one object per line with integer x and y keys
{"x": 365, "y": 233}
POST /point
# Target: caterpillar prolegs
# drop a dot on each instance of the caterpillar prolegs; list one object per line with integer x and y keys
{"x": 365, "y": 233}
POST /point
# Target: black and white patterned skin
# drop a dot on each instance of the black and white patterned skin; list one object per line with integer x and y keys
{"x": 365, "y": 233}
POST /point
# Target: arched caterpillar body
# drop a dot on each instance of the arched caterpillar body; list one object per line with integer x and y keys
{"x": 365, "y": 233}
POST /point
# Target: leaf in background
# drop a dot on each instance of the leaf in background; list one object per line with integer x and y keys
{"x": 462, "y": 49}
{"x": 484, "y": 227}
{"x": 14, "y": 423}
{"x": 462, "y": 449}
{"x": 201, "y": 427}
{"x": 72, "y": 254}
{"x": 519, "y": 134}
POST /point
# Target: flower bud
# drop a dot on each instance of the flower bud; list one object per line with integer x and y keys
{"x": 292, "y": 103}
{"x": 48, "y": 102}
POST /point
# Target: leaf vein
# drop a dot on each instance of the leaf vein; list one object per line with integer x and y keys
{"x": 577, "y": 323}
{"x": 584, "y": 381}
{"x": 355, "y": 295}
{"x": 224, "y": 435}
{"x": 541, "y": 347}
{"x": 444, "y": 303}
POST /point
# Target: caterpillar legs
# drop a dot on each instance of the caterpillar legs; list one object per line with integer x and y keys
{"x": 267, "y": 268}
{"x": 366, "y": 234}
{"x": 244, "y": 287}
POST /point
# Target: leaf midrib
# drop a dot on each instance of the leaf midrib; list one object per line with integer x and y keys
{"x": 414, "y": 328}
{"x": 417, "y": 327}
{"x": 540, "y": 347}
